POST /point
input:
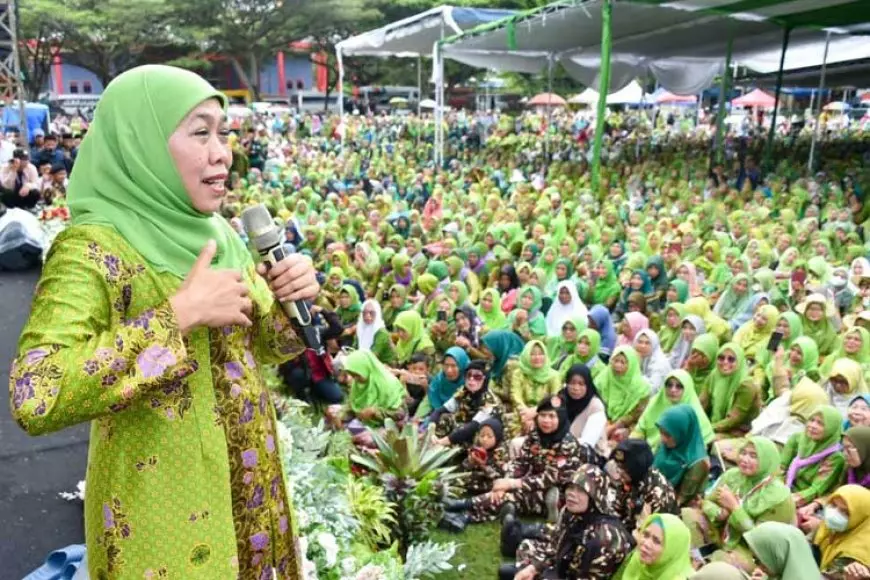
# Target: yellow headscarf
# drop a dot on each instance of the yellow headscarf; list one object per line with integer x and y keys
{"x": 853, "y": 542}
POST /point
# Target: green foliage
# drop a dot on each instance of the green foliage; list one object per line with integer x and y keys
{"x": 478, "y": 551}
{"x": 429, "y": 559}
{"x": 374, "y": 513}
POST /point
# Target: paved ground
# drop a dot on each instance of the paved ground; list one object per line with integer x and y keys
{"x": 33, "y": 519}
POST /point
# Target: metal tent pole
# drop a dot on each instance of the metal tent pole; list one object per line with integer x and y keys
{"x": 772, "y": 132}
{"x": 419, "y": 97}
{"x": 811, "y": 162}
{"x": 603, "y": 89}
{"x": 340, "y": 61}
{"x": 723, "y": 97}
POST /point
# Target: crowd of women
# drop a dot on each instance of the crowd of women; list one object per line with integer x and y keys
{"x": 671, "y": 369}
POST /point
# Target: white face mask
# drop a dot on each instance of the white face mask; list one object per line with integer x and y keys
{"x": 835, "y": 520}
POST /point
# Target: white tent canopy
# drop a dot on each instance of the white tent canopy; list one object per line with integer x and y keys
{"x": 631, "y": 94}
{"x": 841, "y": 50}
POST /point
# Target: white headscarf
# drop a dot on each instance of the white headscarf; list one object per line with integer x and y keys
{"x": 365, "y": 333}
{"x": 656, "y": 366}
{"x": 560, "y": 313}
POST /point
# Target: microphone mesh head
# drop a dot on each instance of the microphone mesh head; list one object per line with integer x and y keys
{"x": 260, "y": 228}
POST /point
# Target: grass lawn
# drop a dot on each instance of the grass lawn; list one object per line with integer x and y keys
{"x": 478, "y": 550}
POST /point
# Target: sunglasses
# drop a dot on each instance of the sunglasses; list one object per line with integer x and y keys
{"x": 729, "y": 358}
{"x": 475, "y": 375}
{"x": 674, "y": 384}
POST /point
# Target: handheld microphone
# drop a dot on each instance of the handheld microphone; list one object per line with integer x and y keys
{"x": 268, "y": 239}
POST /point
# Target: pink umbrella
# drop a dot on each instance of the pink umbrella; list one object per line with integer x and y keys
{"x": 670, "y": 98}
{"x": 546, "y": 100}
{"x": 756, "y": 98}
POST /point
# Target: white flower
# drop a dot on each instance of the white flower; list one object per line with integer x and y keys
{"x": 348, "y": 564}
{"x": 330, "y": 547}
{"x": 370, "y": 572}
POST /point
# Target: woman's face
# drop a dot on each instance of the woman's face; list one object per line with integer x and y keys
{"x": 344, "y": 300}
{"x": 615, "y": 250}
{"x": 368, "y": 314}
{"x": 576, "y": 387}
{"x": 674, "y": 390}
{"x": 564, "y": 296}
{"x": 783, "y": 328}
{"x": 462, "y": 322}
{"x": 202, "y": 156}
{"x": 858, "y": 269}
{"x": 486, "y": 303}
{"x": 689, "y": 333}
{"x": 527, "y": 301}
{"x": 747, "y": 460}
{"x": 537, "y": 358}
{"x": 450, "y": 368}
{"x": 569, "y": 332}
{"x": 576, "y": 500}
{"x": 564, "y": 249}
{"x": 453, "y": 293}
{"x": 527, "y": 255}
{"x": 653, "y": 271}
{"x": 562, "y": 273}
{"x": 636, "y": 282}
{"x": 548, "y": 421}
{"x": 619, "y": 364}
{"x": 486, "y": 438}
{"x": 403, "y": 335}
{"x": 504, "y": 282}
{"x": 726, "y": 362}
{"x": 652, "y": 543}
{"x": 840, "y": 384}
{"x": 474, "y": 380}
{"x": 815, "y": 312}
{"x": 759, "y": 319}
{"x": 583, "y": 347}
{"x": 852, "y": 343}
{"x": 643, "y": 346}
{"x": 396, "y": 300}
{"x": 859, "y": 413}
{"x": 672, "y": 319}
{"x": 524, "y": 276}
{"x": 683, "y": 273}
{"x": 853, "y": 458}
{"x": 600, "y": 270}
{"x": 815, "y": 428}
{"x": 795, "y": 356}
{"x": 667, "y": 440}
{"x": 672, "y": 294}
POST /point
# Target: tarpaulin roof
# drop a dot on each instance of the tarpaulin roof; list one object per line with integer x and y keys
{"x": 415, "y": 36}
{"x": 840, "y": 50}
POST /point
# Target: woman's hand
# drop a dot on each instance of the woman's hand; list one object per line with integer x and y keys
{"x": 462, "y": 342}
{"x": 727, "y": 499}
{"x": 807, "y": 511}
{"x": 293, "y": 278}
{"x": 367, "y": 414}
{"x": 211, "y": 298}
{"x": 856, "y": 571}
{"x": 527, "y": 573}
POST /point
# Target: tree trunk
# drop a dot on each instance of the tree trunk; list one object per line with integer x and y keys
{"x": 246, "y": 78}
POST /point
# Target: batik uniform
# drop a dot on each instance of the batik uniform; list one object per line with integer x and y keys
{"x": 653, "y": 495}
{"x": 462, "y": 408}
{"x": 478, "y": 480}
{"x": 539, "y": 469}
{"x": 581, "y": 546}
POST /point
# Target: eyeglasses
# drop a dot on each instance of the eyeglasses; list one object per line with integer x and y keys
{"x": 475, "y": 375}
{"x": 674, "y": 384}
{"x": 729, "y": 358}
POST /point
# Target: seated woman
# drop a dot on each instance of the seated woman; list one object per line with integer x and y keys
{"x": 662, "y": 551}
{"x": 601, "y": 321}
{"x": 842, "y": 535}
{"x": 624, "y": 391}
{"x": 371, "y": 333}
{"x": 459, "y": 418}
{"x": 490, "y": 311}
{"x": 468, "y": 330}
{"x": 715, "y": 325}
{"x": 584, "y": 407}
{"x": 702, "y": 359}
{"x": 604, "y": 287}
{"x": 443, "y": 385}
{"x": 690, "y": 328}
{"x": 412, "y": 338}
{"x": 671, "y": 329}
{"x": 586, "y": 352}
{"x": 845, "y": 384}
{"x": 500, "y": 346}
{"x": 638, "y": 489}
{"x": 375, "y": 395}
{"x": 528, "y": 379}
{"x": 817, "y": 315}
{"x": 812, "y": 460}
{"x": 549, "y": 457}
{"x": 854, "y": 345}
{"x": 682, "y": 456}
{"x": 679, "y": 390}
{"x": 629, "y": 328}
{"x": 486, "y": 459}
{"x": 729, "y": 397}
{"x": 789, "y": 325}
{"x": 755, "y": 333}
{"x": 588, "y": 541}
{"x": 742, "y": 498}
{"x": 735, "y": 305}
{"x": 527, "y": 320}
{"x": 440, "y": 326}
{"x": 856, "y": 449}
{"x": 567, "y": 306}
{"x": 787, "y": 369}
{"x": 858, "y": 412}
{"x": 398, "y": 303}
{"x": 654, "y": 364}
{"x": 782, "y": 552}
{"x": 348, "y": 312}
{"x": 561, "y": 348}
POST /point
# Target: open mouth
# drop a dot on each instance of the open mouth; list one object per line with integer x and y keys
{"x": 216, "y": 183}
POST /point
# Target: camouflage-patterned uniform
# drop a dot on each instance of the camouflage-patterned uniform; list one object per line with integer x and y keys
{"x": 463, "y": 408}
{"x": 653, "y": 495}
{"x": 587, "y": 546}
{"x": 539, "y": 468}
{"x": 478, "y": 480}
{"x": 836, "y": 570}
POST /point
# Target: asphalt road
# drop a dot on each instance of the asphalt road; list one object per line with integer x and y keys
{"x": 34, "y": 520}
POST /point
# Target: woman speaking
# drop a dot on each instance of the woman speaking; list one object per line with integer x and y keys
{"x": 151, "y": 321}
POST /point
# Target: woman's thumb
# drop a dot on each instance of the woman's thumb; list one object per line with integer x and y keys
{"x": 206, "y": 255}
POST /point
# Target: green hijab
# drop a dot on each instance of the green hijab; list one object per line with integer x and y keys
{"x": 861, "y": 357}
{"x": 380, "y": 389}
{"x": 833, "y": 422}
{"x": 607, "y": 286}
{"x": 411, "y": 322}
{"x": 622, "y": 393}
{"x": 783, "y": 550}
{"x": 495, "y": 318}
{"x": 674, "y": 562}
{"x": 539, "y": 375}
{"x": 724, "y": 387}
{"x": 682, "y": 424}
{"x": 648, "y": 423}
{"x": 668, "y": 337}
{"x": 127, "y": 179}
{"x": 682, "y": 288}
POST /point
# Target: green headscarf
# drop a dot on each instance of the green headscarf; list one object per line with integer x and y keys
{"x": 724, "y": 387}
{"x": 607, "y": 286}
{"x": 495, "y": 318}
{"x": 682, "y": 424}
{"x": 674, "y": 562}
{"x": 648, "y": 423}
{"x": 427, "y": 283}
{"x": 783, "y": 550}
{"x": 381, "y": 389}
{"x": 622, "y": 393}
{"x": 833, "y": 432}
{"x": 668, "y": 337}
{"x": 350, "y": 314}
{"x": 540, "y": 375}
{"x": 418, "y": 339}
{"x": 127, "y": 179}
{"x": 682, "y": 288}
{"x": 861, "y": 357}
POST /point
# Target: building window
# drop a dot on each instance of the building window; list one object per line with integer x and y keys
{"x": 300, "y": 84}
{"x": 74, "y": 87}
{"x": 86, "y": 87}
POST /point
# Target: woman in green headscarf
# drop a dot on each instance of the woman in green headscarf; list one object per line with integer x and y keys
{"x": 783, "y": 552}
{"x": 561, "y": 348}
{"x": 528, "y": 380}
{"x": 398, "y": 303}
{"x": 678, "y": 389}
{"x": 623, "y": 389}
{"x": 428, "y": 286}
{"x": 729, "y": 397}
{"x": 789, "y": 325}
{"x": 742, "y": 498}
{"x": 663, "y": 551}
{"x": 682, "y": 456}
{"x": 816, "y": 314}
{"x": 132, "y": 300}
{"x": 413, "y": 338}
{"x": 375, "y": 392}
{"x": 854, "y": 345}
{"x": 813, "y": 460}
{"x": 788, "y": 368}
{"x": 490, "y": 311}
{"x": 604, "y": 288}
{"x": 672, "y": 327}
{"x": 755, "y": 333}
{"x": 527, "y": 320}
